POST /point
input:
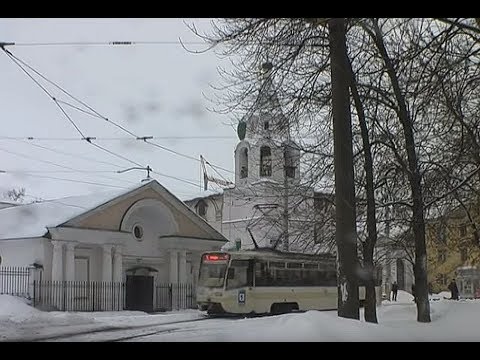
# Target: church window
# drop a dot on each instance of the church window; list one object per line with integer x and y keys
{"x": 202, "y": 208}
{"x": 265, "y": 161}
{"x": 138, "y": 232}
{"x": 289, "y": 163}
{"x": 243, "y": 163}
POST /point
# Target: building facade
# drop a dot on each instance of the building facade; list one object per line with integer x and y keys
{"x": 453, "y": 250}
{"x": 109, "y": 237}
{"x": 268, "y": 199}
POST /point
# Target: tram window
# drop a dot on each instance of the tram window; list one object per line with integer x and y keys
{"x": 310, "y": 266}
{"x": 294, "y": 265}
{"x": 240, "y": 274}
{"x": 263, "y": 276}
{"x": 277, "y": 264}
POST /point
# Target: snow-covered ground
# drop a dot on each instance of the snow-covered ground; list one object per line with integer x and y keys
{"x": 451, "y": 321}
{"x": 19, "y": 321}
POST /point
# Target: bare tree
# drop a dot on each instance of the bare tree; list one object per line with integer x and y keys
{"x": 398, "y": 69}
{"x": 15, "y": 194}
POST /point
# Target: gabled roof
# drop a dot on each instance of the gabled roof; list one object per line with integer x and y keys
{"x": 32, "y": 220}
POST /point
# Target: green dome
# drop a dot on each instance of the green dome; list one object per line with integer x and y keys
{"x": 241, "y": 130}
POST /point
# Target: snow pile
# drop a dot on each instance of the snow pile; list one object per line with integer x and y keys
{"x": 18, "y": 320}
{"x": 441, "y": 296}
{"x": 314, "y": 326}
{"x": 16, "y": 309}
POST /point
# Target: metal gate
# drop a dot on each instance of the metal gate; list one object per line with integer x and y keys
{"x": 139, "y": 293}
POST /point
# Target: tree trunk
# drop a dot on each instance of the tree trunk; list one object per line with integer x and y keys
{"x": 370, "y": 293}
{"x": 369, "y": 246}
{"x": 345, "y": 227}
{"x": 415, "y": 180}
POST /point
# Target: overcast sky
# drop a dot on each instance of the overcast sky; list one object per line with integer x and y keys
{"x": 151, "y": 90}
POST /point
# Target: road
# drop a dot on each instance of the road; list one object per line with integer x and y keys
{"x": 171, "y": 331}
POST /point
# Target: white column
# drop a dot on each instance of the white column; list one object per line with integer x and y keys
{"x": 173, "y": 266}
{"x": 70, "y": 261}
{"x": 182, "y": 266}
{"x": 117, "y": 264}
{"x": 57, "y": 260}
{"x": 107, "y": 263}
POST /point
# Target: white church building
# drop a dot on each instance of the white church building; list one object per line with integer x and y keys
{"x": 268, "y": 198}
{"x": 268, "y": 180}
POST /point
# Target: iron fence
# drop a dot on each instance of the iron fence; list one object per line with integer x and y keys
{"x": 170, "y": 297}
{"x": 15, "y": 280}
{"x": 79, "y": 295}
{"x": 106, "y": 296}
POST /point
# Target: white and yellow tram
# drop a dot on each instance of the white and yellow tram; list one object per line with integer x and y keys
{"x": 267, "y": 281}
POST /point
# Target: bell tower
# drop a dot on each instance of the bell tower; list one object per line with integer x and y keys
{"x": 265, "y": 151}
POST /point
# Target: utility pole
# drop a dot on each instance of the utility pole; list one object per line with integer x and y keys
{"x": 285, "y": 204}
{"x": 345, "y": 224}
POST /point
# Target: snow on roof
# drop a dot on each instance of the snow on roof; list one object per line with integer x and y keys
{"x": 32, "y": 220}
{"x": 5, "y": 204}
{"x": 201, "y": 195}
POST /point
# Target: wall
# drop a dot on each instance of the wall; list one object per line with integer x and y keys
{"x": 454, "y": 242}
{"x": 213, "y": 203}
{"x": 22, "y": 252}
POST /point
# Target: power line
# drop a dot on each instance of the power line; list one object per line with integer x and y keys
{"x": 109, "y": 43}
{"x": 17, "y": 60}
{"x": 70, "y": 154}
{"x": 76, "y": 181}
{"x": 32, "y": 138}
{"x": 191, "y": 182}
{"x": 58, "y": 165}
{"x": 59, "y": 171}
{"x": 117, "y": 155}
{"x": 176, "y": 178}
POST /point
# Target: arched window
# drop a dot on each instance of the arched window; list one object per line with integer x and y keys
{"x": 202, "y": 208}
{"x": 243, "y": 163}
{"x": 289, "y": 158}
{"x": 265, "y": 161}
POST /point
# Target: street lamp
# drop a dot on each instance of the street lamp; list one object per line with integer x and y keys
{"x": 148, "y": 169}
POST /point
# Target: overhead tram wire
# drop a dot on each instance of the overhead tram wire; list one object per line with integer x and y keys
{"x": 156, "y": 42}
{"x": 14, "y": 59}
{"x": 176, "y": 178}
{"x": 61, "y": 166}
{"x": 88, "y": 139}
{"x": 69, "y": 154}
{"x": 32, "y": 138}
{"x": 76, "y": 181}
{"x": 97, "y": 113}
{"x": 109, "y": 43}
{"x": 190, "y": 182}
{"x": 17, "y": 60}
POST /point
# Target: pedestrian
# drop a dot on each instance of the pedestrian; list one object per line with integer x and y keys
{"x": 453, "y": 289}
{"x": 394, "y": 291}
{"x": 413, "y": 293}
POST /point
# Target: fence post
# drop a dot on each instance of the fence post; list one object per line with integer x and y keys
{"x": 34, "y": 292}
{"x": 64, "y": 295}
{"x": 93, "y": 296}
